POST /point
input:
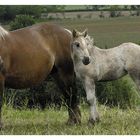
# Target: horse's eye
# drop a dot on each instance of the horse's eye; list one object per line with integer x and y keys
{"x": 77, "y": 44}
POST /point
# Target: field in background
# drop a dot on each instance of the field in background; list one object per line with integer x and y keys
{"x": 108, "y": 33}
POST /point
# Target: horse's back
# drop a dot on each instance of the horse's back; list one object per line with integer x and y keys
{"x": 131, "y": 56}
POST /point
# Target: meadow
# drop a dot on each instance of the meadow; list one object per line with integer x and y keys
{"x": 114, "y": 121}
{"x": 108, "y": 32}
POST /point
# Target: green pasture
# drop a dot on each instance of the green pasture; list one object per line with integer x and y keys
{"x": 114, "y": 121}
{"x": 107, "y": 32}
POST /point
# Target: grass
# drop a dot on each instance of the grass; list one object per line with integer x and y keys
{"x": 108, "y": 32}
{"x": 52, "y": 122}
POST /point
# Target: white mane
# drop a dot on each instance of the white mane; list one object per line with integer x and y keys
{"x": 90, "y": 40}
{"x": 3, "y": 33}
{"x": 68, "y": 31}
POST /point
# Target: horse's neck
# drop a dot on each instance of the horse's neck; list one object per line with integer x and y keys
{"x": 94, "y": 52}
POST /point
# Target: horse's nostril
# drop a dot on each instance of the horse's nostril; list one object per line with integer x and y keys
{"x": 86, "y": 60}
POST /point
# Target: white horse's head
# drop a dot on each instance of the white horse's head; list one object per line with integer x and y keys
{"x": 80, "y": 46}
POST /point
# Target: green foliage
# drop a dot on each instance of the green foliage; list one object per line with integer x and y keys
{"x": 2, "y": 11}
{"x": 120, "y": 93}
{"x": 22, "y": 21}
{"x": 114, "y": 11}
{"x": 8, "y": 12}
{"x": 138, "y": 13}
{"x": 55, "y": 8}
{"x": 46, "y": 94}
{"x": 94, "y": 7}
{"x": 135, "y": 7}
{"x": 32, "y": 10}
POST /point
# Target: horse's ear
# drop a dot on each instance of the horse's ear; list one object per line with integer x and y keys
{"x": 74, "y": 33}
{"x": 85, "y": 32}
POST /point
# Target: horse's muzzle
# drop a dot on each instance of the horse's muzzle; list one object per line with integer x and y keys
{"x": 86, "y": 60}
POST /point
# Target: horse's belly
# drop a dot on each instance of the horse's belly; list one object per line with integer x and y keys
{"x": 29, "y": 71}
{"x": 113, "y": 75}
{"x": 23, "y": 82}
{"x": 27, "y": 78}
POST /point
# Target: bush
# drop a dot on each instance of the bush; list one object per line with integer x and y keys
{"x": 101, "y": 15}
{"x": 8, "y": 12}
{"x": 115, "y": 13}
{"x": 120, "y": 93}
{"x": 138, "y": 13}
{"x": 32, "y": 10}
{"x": 22, "y": 21}
{"x": 44, "y": 95}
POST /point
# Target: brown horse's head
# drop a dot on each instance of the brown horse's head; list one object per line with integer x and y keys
{"x": 80, "y": 47}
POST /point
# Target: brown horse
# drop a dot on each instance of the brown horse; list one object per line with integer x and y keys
{"x": 29, "y": 55}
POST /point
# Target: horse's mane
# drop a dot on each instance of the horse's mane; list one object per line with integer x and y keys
{"x": 3, "y": 33}
{"x": 90, "y": 40}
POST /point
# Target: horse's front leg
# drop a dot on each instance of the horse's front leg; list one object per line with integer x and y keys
{"x": 67, "y": 84}
{"x": 91, "y": 98}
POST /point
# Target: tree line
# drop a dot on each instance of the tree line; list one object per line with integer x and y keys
{"x": 9, "y": 12}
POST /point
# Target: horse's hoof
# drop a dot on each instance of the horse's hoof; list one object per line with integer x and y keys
{"x": 92, "y": 122}
{"x": 73, "y": 122}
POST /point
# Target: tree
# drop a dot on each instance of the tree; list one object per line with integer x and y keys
{"x": 55, "y": 8}
{"x": 8, "y": 12}
{"x": 34, "y": 11}
{"x": 22, "y": 21}
{"x": 2, "y": 11}
{"x": 93, "y": 7}
{"x": 135, "y": 7}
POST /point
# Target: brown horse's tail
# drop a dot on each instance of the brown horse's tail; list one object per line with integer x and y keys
{"x": 1, "y": 65}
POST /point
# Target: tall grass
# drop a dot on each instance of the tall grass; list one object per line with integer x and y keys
{"x": 122, "y": 93}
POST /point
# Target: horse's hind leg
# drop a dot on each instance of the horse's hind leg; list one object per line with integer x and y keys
{"x": 66, "y": 82}
{"x": 136, "y": 78}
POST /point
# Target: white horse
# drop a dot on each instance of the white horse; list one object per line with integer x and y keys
{"x": 93, "y": 64}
